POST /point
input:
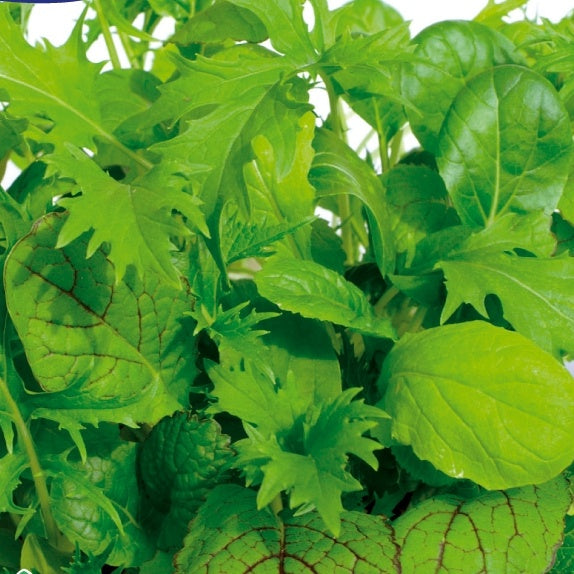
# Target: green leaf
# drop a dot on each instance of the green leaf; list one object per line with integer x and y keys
{"x": 67, "y": 98}
{"x": 39, "y": 556}
{"x": 338, "y": 170}
{"x": 219, "y": 22}
{"x": 286, "y": 28}
{"x": 444, "y": 383}
{"x": 230, "y": 534}
{"x": 307, "y": 288}
{"x": 447, "y": 55}
{"x": 534, "y": 293}
{"x": 12, "y": 465}
{"x": 139, "y": 227}
{"x": 364, "y": 17}
{"x": 486, "y": 173}
{"x": 95, "y": 501}
{"x": 565, "y": 555}
{"x": 102, "y": 350}
{"x": 418, "y": 205}
{"x": 179, "y": 463}
{"x": 514, "y": 531}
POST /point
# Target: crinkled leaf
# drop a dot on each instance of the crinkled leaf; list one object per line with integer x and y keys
{"x": 231, "y": 535}
{"x": 534, "y": 293}
{"x": 95, "y": 502}
{"x": 307, "y": 288}
{"x": 441, "y": 383}
{"x": 219, "y": 22}
{"x": 103, "y": 350}
{"x": 139, "y": 227}
{"x": 338, "y": 170}
{"x": 514, "y": 531}
{"x": 447, "y": 55}
{"x": 179, "y": 463}
{"x": 485, "y": 171}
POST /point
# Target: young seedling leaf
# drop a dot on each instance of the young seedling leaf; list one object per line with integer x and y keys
{"x": 441, "y": 384}
{"x": 231, "y": 535}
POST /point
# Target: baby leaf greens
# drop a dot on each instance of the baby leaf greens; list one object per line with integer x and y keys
{"x": 233, "y": 340}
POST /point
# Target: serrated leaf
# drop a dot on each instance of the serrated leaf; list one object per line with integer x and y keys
{"x": 534, "y": 293}
{"x": 179, "y": 463}
{"x": 447, "y": 55}
{"x": 230, "y": 534}
{"x": 486, "y": 173}
{"x": 514, "y": 531}
{"x": 312, "y": 467}
{"x": 12, "y": 465}
{"x": 441, "y": 384}
{"x": 139, "y": 227}
{"x": 67, "y": 98}
{"x": 102, "y": 350}
{"x": 307, "y": 288}
{"x": 338, "y": 170}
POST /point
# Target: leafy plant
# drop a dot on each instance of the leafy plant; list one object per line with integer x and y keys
{"x": 200, "y": 374}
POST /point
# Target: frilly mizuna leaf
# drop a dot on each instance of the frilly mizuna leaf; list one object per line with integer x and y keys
{"x": 485, "y": 171}
{"x": 441, "y": 386}
{"x": 307, "y": 288}
{"x": 179, "y": 462}
{"x": 102, "y": 350}
{"x": 514, "y": 531}
{"x": 447, "y": 55}
{"x": 231, "y": 535}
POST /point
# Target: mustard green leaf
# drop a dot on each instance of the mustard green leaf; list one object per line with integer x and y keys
{"x": 139, "y": 227}
{"x": 102, "y": 350}
{"x": 230, "y": 534}
{"x": 179, "y": 463}
{"x": 514, "y": 531}
{"x": 565, "y": 555}
{"x": 447, "y": 55}
{"x": 313, "y": 291}
{"x": 364, "y": 17}
{"x": 486, "y": 173}
{"x": 441, "y": 386}
{"x": 67, "y": 99}
{"x": 338, "y": 170}
{"x": 534, "y": 293}
{"x": 12, "y": 465}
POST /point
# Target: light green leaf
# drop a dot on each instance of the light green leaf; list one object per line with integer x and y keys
{"x": 364, "y": 17}
{"x": 485, "y": 171}
{"x": 286, "y": 28}
{"x": 179, "y": 463}
{"x": 231, "y": 535}
{"x": 307, "y": 288}
{"x": 68, "y": 98}
{"x": 338, "y": 170}
{"x": 95, "y": 502}
{"x": 514, "y": 531}
{"x": 447, "y": 55}
{"x": 12, "y": 465}
{"x": 443, "y": 384}
{"x": 219, "y": 22}
{"x": 418, "y": 205}
{"x": 139, "y": 227}
{"x": 103, "y": 350}
{"x": 534, "y": 293}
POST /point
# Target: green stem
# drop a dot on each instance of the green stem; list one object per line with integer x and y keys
{"x": 38, "y": 475}
{"x": 125, "y": 41}
{"x": 385, "y": 299}
{"x": 108, "y": 39}
{"x": 383, "y": 143}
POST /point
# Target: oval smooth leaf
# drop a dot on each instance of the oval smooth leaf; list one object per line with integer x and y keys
{"x": 447, "y": 55}
{"x": 482, "y": 403}
{"x": 505, "y": 146}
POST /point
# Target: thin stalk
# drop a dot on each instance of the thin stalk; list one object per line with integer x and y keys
{"x": 108, "y": 39}
{"x": 381, "y": 305}
{"x": 383, "y": 143}
{"x": 38, "y": 475}
{"x": 124, "y": 39}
